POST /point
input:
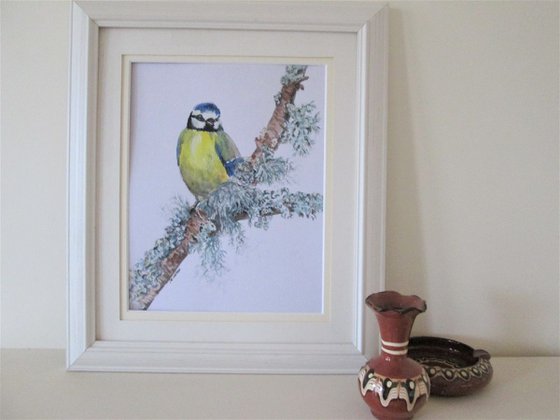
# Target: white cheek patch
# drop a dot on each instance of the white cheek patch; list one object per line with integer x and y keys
{"x": 197, "y": 124}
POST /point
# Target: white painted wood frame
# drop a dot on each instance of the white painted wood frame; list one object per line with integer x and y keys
{"x": 367, "y": 24}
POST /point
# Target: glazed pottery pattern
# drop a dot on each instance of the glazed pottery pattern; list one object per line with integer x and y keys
{"x": 393, "y": 385}
{"x": 454, "y": 368}
{"x": 389, "y": 389}
{"x": 453, "y": 372}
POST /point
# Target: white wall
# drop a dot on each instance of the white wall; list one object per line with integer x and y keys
{"x": 472, "y": 182}
{"x": 35, "y": 45}
{"x": 473, "y": 170}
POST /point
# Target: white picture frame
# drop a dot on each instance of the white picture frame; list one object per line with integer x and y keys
{"x": 347, "y": 335}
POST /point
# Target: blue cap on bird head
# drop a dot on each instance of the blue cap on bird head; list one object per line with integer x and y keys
{"x": 205, "y": 116}
{"x": 207, "y": 107}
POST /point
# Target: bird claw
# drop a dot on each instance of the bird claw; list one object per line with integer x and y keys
{"x": 195, "y": 210}
{"x": 203, "y": 220}
{"x": 199, "y": 213}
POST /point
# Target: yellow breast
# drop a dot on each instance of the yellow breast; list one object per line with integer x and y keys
{"x": 200, "y": 165}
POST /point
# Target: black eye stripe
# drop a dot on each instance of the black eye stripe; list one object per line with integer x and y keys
{"x": 200, "y": 117}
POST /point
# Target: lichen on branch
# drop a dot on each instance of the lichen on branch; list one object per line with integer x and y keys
{"x": 300, "y": 127}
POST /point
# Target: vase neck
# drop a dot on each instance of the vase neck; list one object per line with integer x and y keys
{"x": 394, "y": 329}
{"x": 394, "y": 349}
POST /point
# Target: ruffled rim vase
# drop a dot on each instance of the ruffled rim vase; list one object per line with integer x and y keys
{"x": 393, "y": 385}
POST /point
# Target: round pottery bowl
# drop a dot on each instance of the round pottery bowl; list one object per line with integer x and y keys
{"x": 454, "y": 368}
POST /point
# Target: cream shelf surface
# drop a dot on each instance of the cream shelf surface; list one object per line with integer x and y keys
{"x": 35, "y": 384}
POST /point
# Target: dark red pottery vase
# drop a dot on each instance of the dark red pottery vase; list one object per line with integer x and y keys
{"x": 393, "y": 385}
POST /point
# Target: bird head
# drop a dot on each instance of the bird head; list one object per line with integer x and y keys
{"x": 205, "y": 117}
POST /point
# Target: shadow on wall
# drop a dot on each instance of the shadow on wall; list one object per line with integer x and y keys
{"x": 406, "y": 258}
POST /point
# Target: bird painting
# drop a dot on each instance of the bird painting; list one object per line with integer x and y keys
{"x": 206, "y": 154}
{"x": 226, "y": 180}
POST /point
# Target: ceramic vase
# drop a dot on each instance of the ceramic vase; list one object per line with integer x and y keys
{"x": 393, "y": 385}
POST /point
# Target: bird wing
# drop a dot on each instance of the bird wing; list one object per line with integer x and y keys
{"x": 227, "y": 151}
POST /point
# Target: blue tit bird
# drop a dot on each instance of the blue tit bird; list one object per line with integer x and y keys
{"x": 206, "y": 155}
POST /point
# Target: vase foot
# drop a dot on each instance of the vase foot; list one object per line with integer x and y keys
{"x": 389, "y": 417}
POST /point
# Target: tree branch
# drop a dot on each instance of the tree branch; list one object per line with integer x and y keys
{"x": 270, "y": 138}
{"x": 169, "y": 266}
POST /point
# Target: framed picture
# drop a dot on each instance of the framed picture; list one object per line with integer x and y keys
{"x": 226, "y": 185}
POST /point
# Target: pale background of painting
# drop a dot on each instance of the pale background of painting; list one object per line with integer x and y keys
{"x": 279, "y": 270}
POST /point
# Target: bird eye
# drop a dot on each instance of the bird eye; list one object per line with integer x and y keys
{"x": 199, "y": 117}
